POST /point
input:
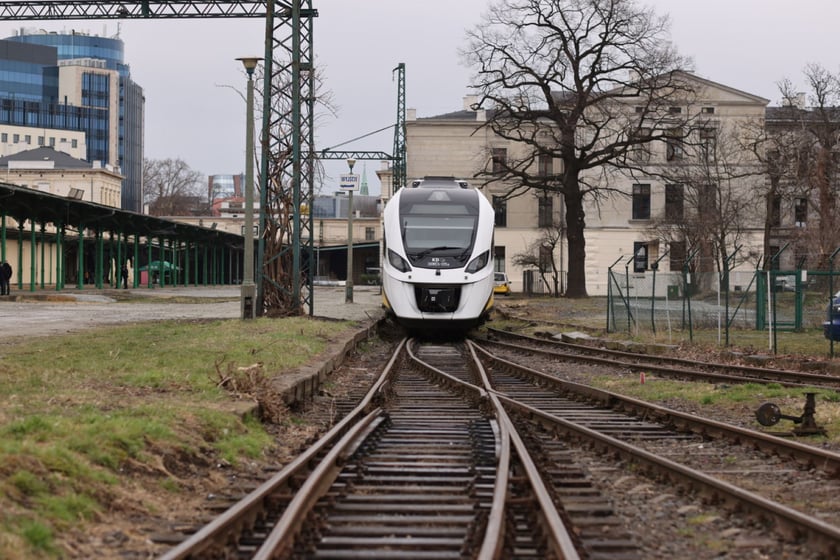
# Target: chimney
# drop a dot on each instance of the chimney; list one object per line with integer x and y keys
{"x": 801, "y": 99}
{"x": 469, "y": 101}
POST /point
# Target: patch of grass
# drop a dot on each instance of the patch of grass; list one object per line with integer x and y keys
{"x": 746, "y": 397}
{"x": 80, "y": 411}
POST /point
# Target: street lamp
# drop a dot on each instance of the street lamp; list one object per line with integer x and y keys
{"x": 348, "y": 285}
{"x": 248, "y": 290}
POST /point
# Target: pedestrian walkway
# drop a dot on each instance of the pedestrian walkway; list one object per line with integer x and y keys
{"x": 45, "y": 312}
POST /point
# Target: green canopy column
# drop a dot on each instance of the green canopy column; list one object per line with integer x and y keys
{"x": 43, "y": 247}
{"x": 20, "y": 256}
{"x": 80, "y": 278}
{"x": 186, "y": 263}
{"x": 136, "y": 263}
{"x": 33, "y": 253}
{"x": 195, "y": 260}
{"x": 59, "y": 256}
{"x": 162, "y": 252}
{"x": 206, "y": 264}
{"x": 2, "y": 235}
{"x": 149, "y": 262}
{"x": 100, "y": 258}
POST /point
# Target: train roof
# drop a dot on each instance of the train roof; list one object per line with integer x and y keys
{"x": 439, "y": 182}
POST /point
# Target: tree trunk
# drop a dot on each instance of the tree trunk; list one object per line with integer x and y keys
{"x": 575, "y": 225}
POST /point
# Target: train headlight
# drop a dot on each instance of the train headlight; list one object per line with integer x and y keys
{"x": 479, "y": 262}
{"x": 398, "y": 262}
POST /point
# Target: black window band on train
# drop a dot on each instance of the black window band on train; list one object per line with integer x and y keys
{"x": 438, "y": 226}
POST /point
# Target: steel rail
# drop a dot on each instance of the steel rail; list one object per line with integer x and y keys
{"x": 786, "y": 378}
{"x": 822, "y": 459}
{"x": 558, "y": 536}
{"x": 818, "y": 532}
{"x": 280, "y": 541}
{"x": 246, "y": 511}
{"x": 492, "y": 543}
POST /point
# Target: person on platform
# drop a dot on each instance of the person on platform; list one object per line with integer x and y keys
{"x": 5, "y": 278}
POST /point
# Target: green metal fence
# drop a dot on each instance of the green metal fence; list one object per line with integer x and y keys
{"x": 669, "y": 302}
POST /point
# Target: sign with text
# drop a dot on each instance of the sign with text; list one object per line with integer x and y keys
{"x": 349, "y": 182}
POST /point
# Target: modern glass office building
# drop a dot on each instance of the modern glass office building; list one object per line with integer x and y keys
{"x": 84, "y": 84}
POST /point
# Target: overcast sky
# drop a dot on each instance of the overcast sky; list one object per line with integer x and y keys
{"x": 187, "y": 68}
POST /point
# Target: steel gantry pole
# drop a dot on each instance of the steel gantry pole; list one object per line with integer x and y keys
{"x": 284, "y": 282}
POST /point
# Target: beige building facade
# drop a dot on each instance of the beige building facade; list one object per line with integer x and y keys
{"x": 16, "y": 139}
{"x": 631, "y": 214}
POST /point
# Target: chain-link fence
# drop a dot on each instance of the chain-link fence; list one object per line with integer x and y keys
{"x": 668, "y": 302}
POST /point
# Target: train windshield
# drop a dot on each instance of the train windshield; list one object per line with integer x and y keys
{"x": 438, "y": 227}
{"x": 424, "y": 232}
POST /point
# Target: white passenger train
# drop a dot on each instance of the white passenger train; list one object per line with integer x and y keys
{"x": 438, "y": 263}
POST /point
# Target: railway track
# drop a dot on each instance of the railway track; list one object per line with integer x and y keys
{"x": 456, "y": 453}
{"x": 767, "y": 476}
{"x": 425, "y": 467}
{"x": 663, "y": 365}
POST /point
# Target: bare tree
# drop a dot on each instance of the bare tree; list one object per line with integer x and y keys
{"x": 586, "y": 82}
{"x": 172, "y": 188}
{"x": 815, "y": 174}
{"x": 712, "y": 202}
{"x": 541, "y": 255}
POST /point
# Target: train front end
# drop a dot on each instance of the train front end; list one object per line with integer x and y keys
{"x": 437, "y": 272}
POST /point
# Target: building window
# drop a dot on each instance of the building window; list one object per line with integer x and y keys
{"x": 16, "y": 138}
{"x": 40, "y": 140}
{"x": 500, "y": 209}
{"x": 674, "y": 144}
{"x": 707, "y": 200}
{"x": 498, "y": 259}
{"x": 641, "y": 202}
{"x": 545, "y": 165}
{"x": 52, "y": 141}
{"x": 774, "y": 262}
{"x": 4, "y": 137}
{"x": 674, "y": 202}
{"x": 800, "y": 212}
{"x": 640, "y": 256}
{"x": 776, "y": 211}
{"x": 708, "y": 144}
{"x": 74, "y": 143}
{"x": 676, "y": 255}
{"x": 640, "y": 146}
{"x": 369, "y": 234}
{"x": 546, "y": 258}
{"x": 708, "y": 110}
{"x": 27, "y": 139}
{"x": 499, "y": 159}
{"x": 545, "y": 215}
{"x": 675, "y": 110}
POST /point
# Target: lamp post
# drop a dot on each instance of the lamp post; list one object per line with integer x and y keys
{"x": 348, "y": 284}
{"x": 248, "y": 289}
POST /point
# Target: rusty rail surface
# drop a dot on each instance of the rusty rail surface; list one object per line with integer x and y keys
{"x": 819, "y": 534}
{"x": 664, "y": 365}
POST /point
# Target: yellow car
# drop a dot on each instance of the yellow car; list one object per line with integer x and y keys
{"x": 501, "y": 284}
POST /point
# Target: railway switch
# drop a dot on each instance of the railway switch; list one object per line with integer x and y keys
{"x": 769, "y": 414}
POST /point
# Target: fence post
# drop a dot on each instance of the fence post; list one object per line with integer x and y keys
{"x": 726, "y": 270}
{"x": 686, "y": 297}
{"x": 609, "y": 291}
{"x": 627, "y": 290}
{"x": 771, "y": 281}
{"x": 831, "y": 300}
{"x": 654, "y": 267}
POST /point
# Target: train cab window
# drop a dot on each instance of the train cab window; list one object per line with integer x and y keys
{"x": 426, "y": 232}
